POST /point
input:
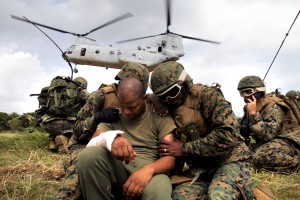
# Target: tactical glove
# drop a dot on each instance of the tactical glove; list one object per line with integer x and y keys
{"x": 107, "y": 115}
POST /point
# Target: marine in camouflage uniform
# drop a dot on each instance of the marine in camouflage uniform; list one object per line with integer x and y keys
{"x": 272, "y": 125}
{"x": 208, "y": 141}
{"x": 60, "y": 129}
{"x": 294, "y": 96}
{"x": 101, "y": 106}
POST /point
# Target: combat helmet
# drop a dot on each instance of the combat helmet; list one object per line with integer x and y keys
{"x": 81, "y": 81}
{"x": 166, "y": 75}
{"x": 292, "y": 94}
{"x": 250, "y": 85}
{"x": 135, "y": 70}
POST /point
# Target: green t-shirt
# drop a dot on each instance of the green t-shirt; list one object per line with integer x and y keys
{"x": 143, "y": 134}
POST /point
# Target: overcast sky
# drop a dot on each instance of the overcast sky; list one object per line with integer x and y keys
{"x": 250, "y": 33}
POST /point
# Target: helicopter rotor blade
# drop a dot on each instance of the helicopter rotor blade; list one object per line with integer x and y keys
{"x": 198, "y": 39}
{"x": 168, "y": 12}
{"x": 42, "y": 25}
{"x": 133, "y": 39}
{"x": 124, "y": 16}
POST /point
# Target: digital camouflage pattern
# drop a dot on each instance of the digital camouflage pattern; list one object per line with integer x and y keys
{"x": 250, "y": 82}
{"x": 212, "y": 139}
{"x": 70, "y": 187}
{"x": 165, "y": 75}
{"x": 218, "y": 143}
{"x": 134, "y": 70}
{"x": 280, "y": 155}
{"x": 84, "y": 126}
{"x": 56, "y": 126}
{"x": 65, "y": 97}
{"x": 82, "y": 82}
{"x": 274, "y": 120}
{"x": 62, "y": 125}
{"x": 217, "y": 186}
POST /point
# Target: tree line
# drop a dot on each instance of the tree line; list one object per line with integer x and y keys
{"x": 17, "y": 122}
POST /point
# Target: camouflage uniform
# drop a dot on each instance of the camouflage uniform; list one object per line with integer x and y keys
{"x": 213, "y": 149}
{"x": 85, "y": 126}
{"x": 294, "y": 97}
{"x": 55, "y": 125}
{"x": 275, "y": 130}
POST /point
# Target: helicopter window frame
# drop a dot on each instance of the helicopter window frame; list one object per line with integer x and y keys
{"x": 82, "y": 51}
{"x": 71, "y": 49}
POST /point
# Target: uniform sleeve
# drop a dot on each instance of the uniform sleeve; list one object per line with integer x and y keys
{"x": 83, "y": 96}
{"x": 264, "y": 126}
{"x": 223, "y": 133}
{"x": 84, "y": 125}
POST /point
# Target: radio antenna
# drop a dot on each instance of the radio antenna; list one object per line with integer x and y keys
{"x": 281, "y": 45}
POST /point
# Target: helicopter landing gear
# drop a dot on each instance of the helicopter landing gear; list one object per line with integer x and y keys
{"x": 75, "y": 70}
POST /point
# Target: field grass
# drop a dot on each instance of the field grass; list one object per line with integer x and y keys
{"x": 29, "y": 171}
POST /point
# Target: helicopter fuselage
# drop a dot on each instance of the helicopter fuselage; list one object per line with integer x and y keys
{"x": 162, "y": 48}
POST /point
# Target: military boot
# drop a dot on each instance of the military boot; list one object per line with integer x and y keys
{"x": 62, "y": 143}
{"x": 52, "y": 146}
{"x": 262, "y": 192}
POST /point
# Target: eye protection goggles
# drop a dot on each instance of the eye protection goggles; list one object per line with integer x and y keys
{"x": 171, "y": 93}
{"x": 250, "y": 91}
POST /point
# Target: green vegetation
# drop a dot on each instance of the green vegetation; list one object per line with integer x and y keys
{"x": 29, "y": 171}
{"x": 16, "y": 122}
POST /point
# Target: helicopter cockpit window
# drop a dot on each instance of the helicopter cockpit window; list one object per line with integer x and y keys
{"x": 71, "y": 49}
{"x": 97, "y": 51}
{"x": 82, "y": 52}
{"x": 163, "y": 43}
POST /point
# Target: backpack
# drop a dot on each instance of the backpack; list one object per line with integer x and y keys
{"x": 217, "y": 87}
{"x": 62, "y": 96}
{"x": 292, "y": 104}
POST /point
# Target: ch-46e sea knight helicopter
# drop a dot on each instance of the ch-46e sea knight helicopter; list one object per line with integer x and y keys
{"x": 161, "y": 48}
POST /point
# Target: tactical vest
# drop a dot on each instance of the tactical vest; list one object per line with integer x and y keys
{"x": 188, "y": 119}
{"x": 191, "y": 126}
{"x": 111, "y": 99}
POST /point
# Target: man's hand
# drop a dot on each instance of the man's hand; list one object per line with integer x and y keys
{"x": 122, "y": 150}
{"x": 137, "y": 182}
{"x": 107, "y": 115}
{"x": 167, "y": 148}
{"x": 158, "y": 107}
{"x": 251, "y": 105}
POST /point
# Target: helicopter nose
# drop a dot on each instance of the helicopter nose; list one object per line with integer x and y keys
{"x": 64, "y": 55}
